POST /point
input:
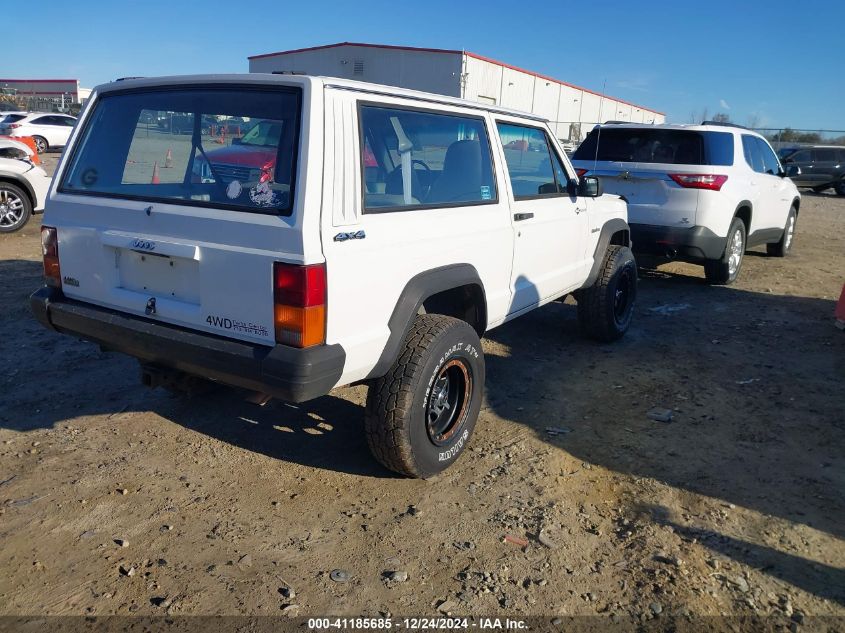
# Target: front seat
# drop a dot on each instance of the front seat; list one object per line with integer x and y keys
{"x": 460, "y": 180}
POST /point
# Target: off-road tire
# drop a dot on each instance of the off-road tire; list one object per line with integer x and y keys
{"x": 605, "y": 308}
{"x": 21, "y": 207}
{"x": 718, "y": 271}
{"x": 41, "y": 144}
{"x": 782, "y": 247}
{"x": 400, "y": 403}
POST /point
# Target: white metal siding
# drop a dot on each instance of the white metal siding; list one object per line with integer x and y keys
{"x": 483, "y": 80}
{"x": 429, "y": 71}
{"x": 517, "y": 90}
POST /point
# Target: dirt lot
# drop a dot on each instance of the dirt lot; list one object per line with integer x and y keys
{"x": 736, "y": 506}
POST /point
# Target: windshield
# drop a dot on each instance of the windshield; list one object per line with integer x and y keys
{"x": 265, "y": 133}
{"x": 231, "y": 147}
{"x": 655, "y": 145}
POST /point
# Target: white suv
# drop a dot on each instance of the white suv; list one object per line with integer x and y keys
{"x": 353, "y": 233}
{"x": 49, "y": 131}
{"x": 700, "y": 193}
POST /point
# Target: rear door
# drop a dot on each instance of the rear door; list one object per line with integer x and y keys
{"x": 827, "y": 165}
{"x": 183, "y": 228}
{"x": 549, "y": 224}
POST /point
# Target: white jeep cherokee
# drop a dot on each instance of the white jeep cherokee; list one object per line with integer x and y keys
{"x": 302, "y": 233}
{"x": 699, "y": 193}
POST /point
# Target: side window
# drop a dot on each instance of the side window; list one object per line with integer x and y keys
{"x": 417, "y": 159}
{"x": 533, "y": 167}
{"x": 42, "y": 120}
{"x": 826, "y": 155}
{"x": 67, "y": 121}
{"x": 804, "y": 156}
{"x": 751, "y": 150}
{"x": 771, "y": 165}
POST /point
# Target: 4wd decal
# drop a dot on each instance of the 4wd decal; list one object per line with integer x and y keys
{"x": 236, "y": 326}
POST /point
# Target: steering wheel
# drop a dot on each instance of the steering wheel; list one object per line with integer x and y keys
{"x": 428, "y": 183}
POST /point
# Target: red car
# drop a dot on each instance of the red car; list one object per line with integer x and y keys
{"x": 250, "y": 158}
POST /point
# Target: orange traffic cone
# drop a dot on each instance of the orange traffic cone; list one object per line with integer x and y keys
{"x": 168, "y": 160}
{"x": 155, "y": 179}
{"x": 840, "y": 310}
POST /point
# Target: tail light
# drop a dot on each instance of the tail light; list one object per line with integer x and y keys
{"x": 50, "y": 253}
{"x": 299, "y": 304}
{"x": 581, "y": 171}
{"x": 12, "y": 126}
{"x": 712, "y": 182}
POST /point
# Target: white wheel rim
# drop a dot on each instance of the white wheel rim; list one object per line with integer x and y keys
{"x": 790, "y": 231}
{"x": 11, "y": 208}
{"x": 736, "y": 249}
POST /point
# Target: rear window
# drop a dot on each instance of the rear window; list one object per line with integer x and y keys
{"x": 231, "y": 148}
{"x": 11, "y": 118}
{"x": 643, "y": 145}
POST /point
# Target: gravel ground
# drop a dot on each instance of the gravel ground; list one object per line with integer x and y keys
{"x": 119, "y": 500}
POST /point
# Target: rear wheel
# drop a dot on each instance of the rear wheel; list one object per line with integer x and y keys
{"x": 421, "y": 414}
{"x": 821, "y": 189}
{"x": 606, "y": 307}
{"x": 41, "y": 144}
{"x": 15, "y": 207}
{"x": 781, "y": 248}
{"x": 724, "y": 271}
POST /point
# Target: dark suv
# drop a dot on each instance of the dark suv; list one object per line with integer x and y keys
{"x": 821, "y": 168}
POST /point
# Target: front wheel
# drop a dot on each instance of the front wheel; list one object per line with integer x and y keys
{"x": 421, "y": 414}
{"x": 15, "y": 208}
{"x": 781, "y": 248}
{"x": 724, "y": 271}
{"x": 839, "y": 187}
{"x": 605, "y": 308}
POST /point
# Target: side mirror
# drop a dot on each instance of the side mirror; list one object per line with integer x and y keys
{"x": 236, "y": 140}
{"x": 793, "y": 170}
{"x": 786, "y": 161}
{"x": 589, "y": 187}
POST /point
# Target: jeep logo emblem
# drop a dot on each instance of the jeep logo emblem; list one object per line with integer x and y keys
{"x": 144, "y": 245}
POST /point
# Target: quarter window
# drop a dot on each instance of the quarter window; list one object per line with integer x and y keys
{"x": 804, "y": 156}
{"x": 416, "y": 159}
{"x": 534, "y": 169}
{"x": 770, "y": 160}
{"x": 753, "y": 156}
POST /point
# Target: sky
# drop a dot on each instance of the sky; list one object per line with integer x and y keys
{"x": 775, "y": 63}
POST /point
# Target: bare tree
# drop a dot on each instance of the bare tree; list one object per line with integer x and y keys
{"x": 721, "y": 117}
{"x": 695, "y": 117}
{"x": 753, "y": 120}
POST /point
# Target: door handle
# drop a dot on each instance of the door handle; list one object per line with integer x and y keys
{"x": 519, "y": 217}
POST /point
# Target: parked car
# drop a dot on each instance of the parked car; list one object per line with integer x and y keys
{"x": 11, "y": 117}
{"x": 48, "y": 130}
{"x": 23, "y": 187}
{"x": 822, "y": 167}
{"x": 393, "y": 230}
{"x": 699, "y": 193}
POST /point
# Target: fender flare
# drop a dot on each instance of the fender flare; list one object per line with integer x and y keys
{"x": 613, "y": 225}
{"x": 419, "y": 288}
{"x": 16, "y": 179}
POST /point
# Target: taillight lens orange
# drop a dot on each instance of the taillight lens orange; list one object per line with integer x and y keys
{"x": 50, "y": 254}
{"x": 300, "y": 304}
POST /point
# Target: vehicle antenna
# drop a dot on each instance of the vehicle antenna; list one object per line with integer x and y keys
{"x": 598, "y": 135}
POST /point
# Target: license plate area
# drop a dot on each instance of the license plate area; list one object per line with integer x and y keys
{"x": 160, "y": 276}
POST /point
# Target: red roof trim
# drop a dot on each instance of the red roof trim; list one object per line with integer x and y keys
{"x": 558, "y": 81}
{"x": 42, "y": 81}
{"x": 360, "y": 44}
{"x": 453, "y": 52}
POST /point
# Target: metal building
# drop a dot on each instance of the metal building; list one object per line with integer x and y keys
{"x": 572, "y": 110}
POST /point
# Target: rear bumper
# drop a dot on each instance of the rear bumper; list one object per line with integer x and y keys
{"x": 695, "y": 243}
{"x": 290, "y": 374}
